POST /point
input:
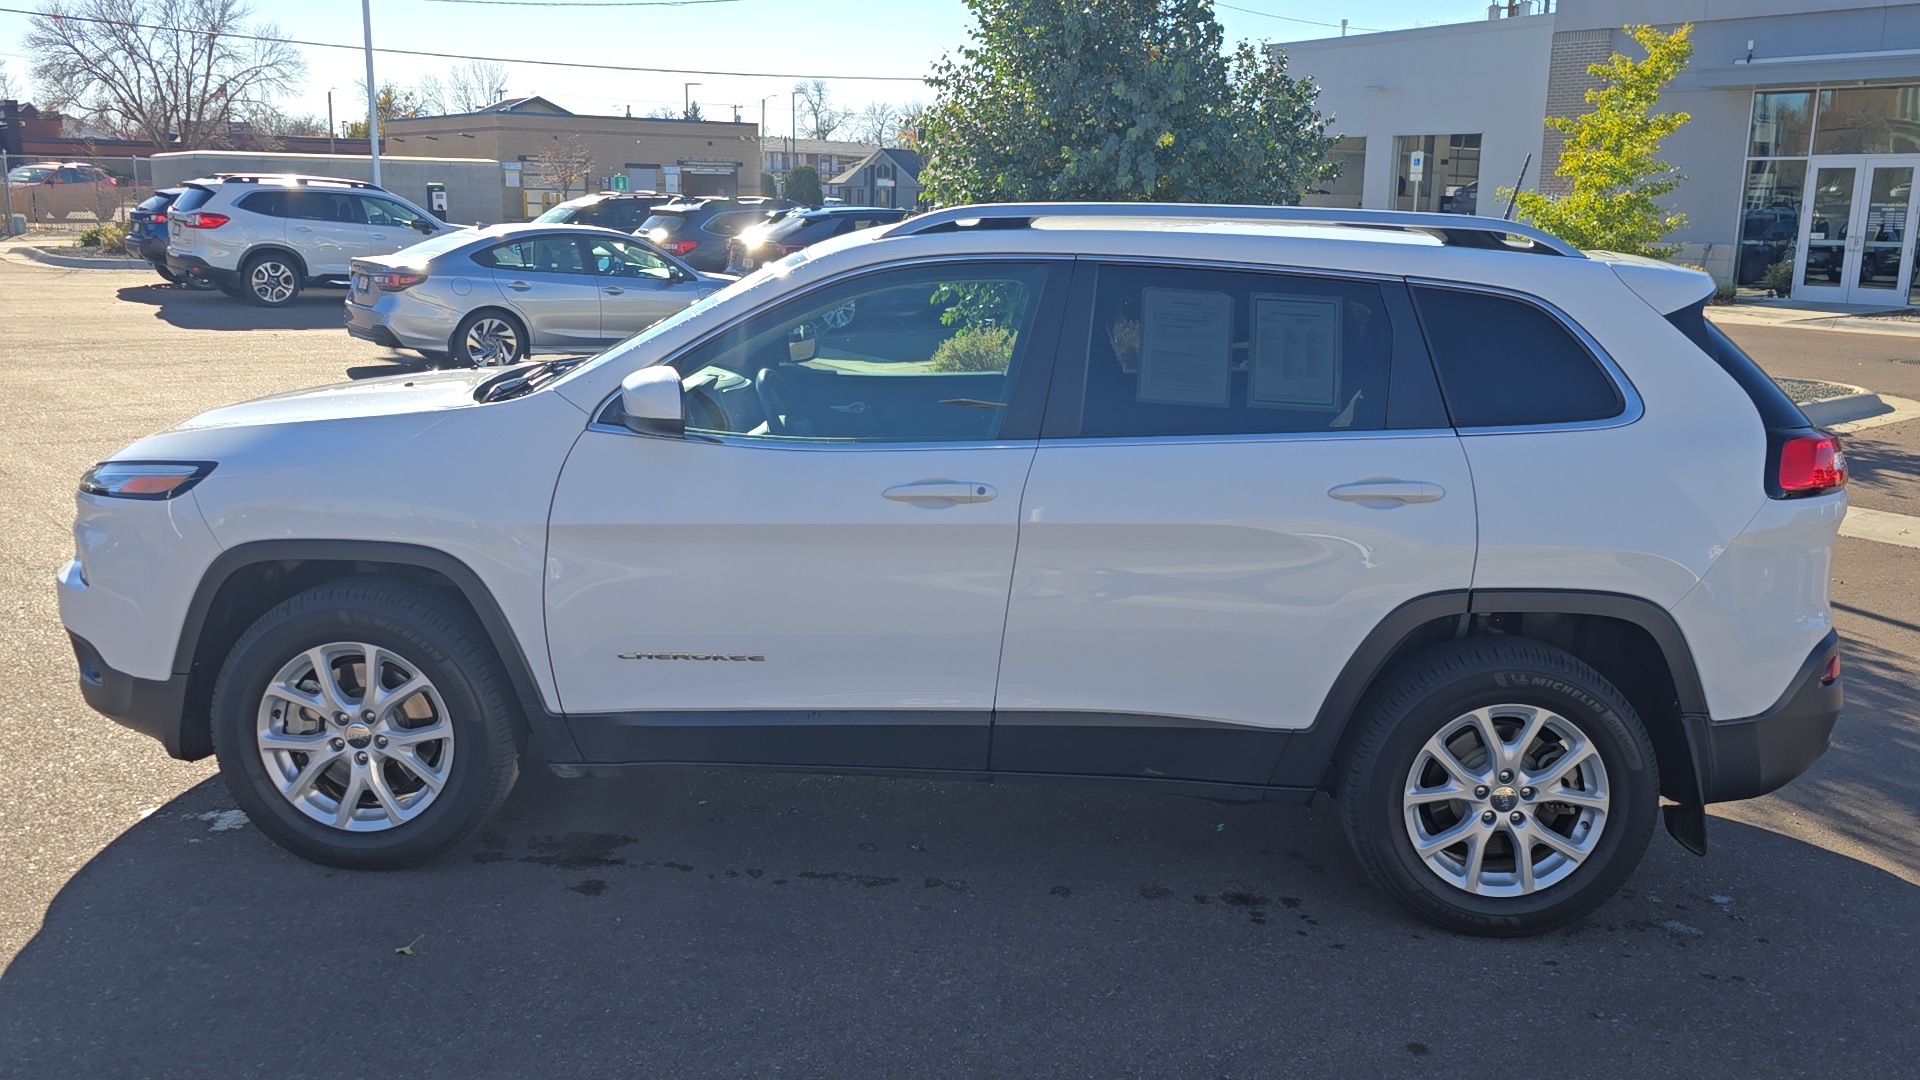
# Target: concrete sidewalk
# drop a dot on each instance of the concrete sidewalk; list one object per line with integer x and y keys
{"x": 1849, "y": 318}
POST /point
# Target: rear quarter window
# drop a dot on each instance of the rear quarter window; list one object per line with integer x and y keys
{"x": 1504, "y": 362}
{"x": 270, "y": 203}
{"x": 664, "y": 224}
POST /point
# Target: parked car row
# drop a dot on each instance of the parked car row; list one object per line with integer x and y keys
{"x": 52, "y": 190}
{"x": 587, "y": 273}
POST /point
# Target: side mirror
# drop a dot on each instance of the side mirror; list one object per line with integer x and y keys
{"x": 650, "y": 400}
{"x": 802, "y": 343}
{"x": 425, "y": 226}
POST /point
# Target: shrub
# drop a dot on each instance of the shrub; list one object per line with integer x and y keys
{"x": 109, "y": 236}
{"x": 976, "y": 348}
{"x": 1724, "y": 294}
{"x": 1779, "y": 278}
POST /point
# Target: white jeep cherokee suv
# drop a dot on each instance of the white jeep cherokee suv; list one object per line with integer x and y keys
{"x": 266, "y": 237}
{"x": 1497, "y": 542}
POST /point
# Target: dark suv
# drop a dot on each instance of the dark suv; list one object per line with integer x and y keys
{"x": 609, "y": 209}
{"x": 799, "y": 229}
{"x": 697, "y": 232}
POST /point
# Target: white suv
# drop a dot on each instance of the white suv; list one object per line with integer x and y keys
{"x": 1497, "y": 542}
{"x": 265, "y": 238}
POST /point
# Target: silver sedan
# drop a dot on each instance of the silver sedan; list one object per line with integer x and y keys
{"x": 493, "y": 296}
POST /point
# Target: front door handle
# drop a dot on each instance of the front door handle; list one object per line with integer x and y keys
{"x": 948, "y": 491}
{"x": 613, "y": 290}
{"x": 1388, "y": 492}
{"x": 518, "y": 286}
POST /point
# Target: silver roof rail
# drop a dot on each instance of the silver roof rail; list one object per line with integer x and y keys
{"x": 295, "y": 178}
{"x": 1458, "y": 230}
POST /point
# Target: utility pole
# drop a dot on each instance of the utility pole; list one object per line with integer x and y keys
{"x": 330, "y": 128}
{"x": 373, "y": 94}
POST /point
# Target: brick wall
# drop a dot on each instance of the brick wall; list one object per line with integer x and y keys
{"x": 1567, "y": 84}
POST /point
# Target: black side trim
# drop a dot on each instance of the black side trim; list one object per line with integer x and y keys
{"x": 1310, "y": 753}
{"x": 1413, "y": 388}
{"x": 1645, "y": 614}
{"x": 547, "y": 727}
{"x": 953, "y": 740}
{"x": 148, "y": 707}
{"x": 1128, "y": 745}
{"x": 1742, "y": 759}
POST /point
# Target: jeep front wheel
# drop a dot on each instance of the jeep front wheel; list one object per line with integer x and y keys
{"x": 1500, "y": 788}
{"x": 365, "y": 724}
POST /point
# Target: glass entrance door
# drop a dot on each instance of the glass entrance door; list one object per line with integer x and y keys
{"x": 1856, "y": 236}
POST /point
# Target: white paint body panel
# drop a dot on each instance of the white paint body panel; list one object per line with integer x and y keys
{"x": 1216, "y": 578}
{"x": 138, "y": 562}
{"x": 1757, "y": 615}
{"x": 407, "y": 459}
{"x": 855, "y": 600}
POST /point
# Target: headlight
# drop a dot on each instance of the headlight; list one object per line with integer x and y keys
{"x": 144, "y": 479}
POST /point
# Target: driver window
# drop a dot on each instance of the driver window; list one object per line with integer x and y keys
{"x": 922, "y": 354}
{"x": 613, "y": 258}
{"x": 387, "y": 212}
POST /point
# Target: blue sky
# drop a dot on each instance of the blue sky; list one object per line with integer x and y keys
{"x": 798, "y": 37}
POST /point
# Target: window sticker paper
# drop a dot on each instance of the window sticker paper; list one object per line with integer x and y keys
{"x": 1186, "y": 347}
{"x": 1296, "y": 352}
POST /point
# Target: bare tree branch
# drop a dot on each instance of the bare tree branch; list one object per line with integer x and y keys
{"x": 158, "y": 85}
{"x": 566, "y": 162}
{"x": 818, "y": 118}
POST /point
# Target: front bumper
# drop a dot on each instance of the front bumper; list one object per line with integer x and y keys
{"x": 1742, "y": 759}
{"x": 148, "y": 707}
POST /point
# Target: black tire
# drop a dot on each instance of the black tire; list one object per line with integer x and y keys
{"x": 1431, "y": 693}
{"x": 459, "y": 346}
{"x": 435, "y": 640}
{"x": 271, "y": 279}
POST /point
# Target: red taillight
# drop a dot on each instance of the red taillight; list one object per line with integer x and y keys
{"x": 788, "y": 249}
{"x": 201, "y": 219}
{"x": 681, "y": 247}
{"x": 1831, "y": 673}
{"x": 1812, "y": 463}
{"x": 160, "y": 218}
{"x": 394, "y": 282}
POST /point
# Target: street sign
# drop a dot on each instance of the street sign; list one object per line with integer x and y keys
{"x": 1418, "y": 168}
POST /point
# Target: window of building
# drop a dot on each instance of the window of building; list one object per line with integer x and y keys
{"x": 1868, "y": 120}
{"x": 1782, "y": 124}
{"x": 1449, "y": 181}
{"x": 1345, "y": 189}
{"x": 1769, "y": 217}
{"x": 1179, "y": 351}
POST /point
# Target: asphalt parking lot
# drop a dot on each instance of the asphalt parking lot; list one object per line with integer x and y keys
{"x": 710, "y": 924}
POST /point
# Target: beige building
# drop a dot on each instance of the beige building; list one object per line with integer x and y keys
{"x": 828, "y": 157}
{"x": 690, "y": 157}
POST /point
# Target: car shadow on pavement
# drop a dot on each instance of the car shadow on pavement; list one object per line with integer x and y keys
{"x": 394, "y": 364}
{"x": 318, "y": 308}
{"x": 703, "y": 923}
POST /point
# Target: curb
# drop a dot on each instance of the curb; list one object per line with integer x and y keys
{"x": 76, "y": 262}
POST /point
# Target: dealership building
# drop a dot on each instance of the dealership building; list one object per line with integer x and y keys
{"x": 1803, "y": 144}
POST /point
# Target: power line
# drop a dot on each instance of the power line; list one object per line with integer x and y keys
{"x": 1285, "y": 18}
{"x": 629, "y": 68}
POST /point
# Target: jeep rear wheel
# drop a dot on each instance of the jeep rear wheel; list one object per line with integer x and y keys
{"x": 1500, "y": 788}
{"x": 364, "y": 724}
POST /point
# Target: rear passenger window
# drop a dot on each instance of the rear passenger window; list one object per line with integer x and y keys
{"x": 1504, "y": 362}
{"x": 270, "y": 203}
{"x": 1222, "y": 352}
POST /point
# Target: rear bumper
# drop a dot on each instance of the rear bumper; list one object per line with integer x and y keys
{"x": 193, "y": 264}
{"x": 378, "y": 334}
{"x": 1741, "y": 759}
{"x": 148, "y": 707}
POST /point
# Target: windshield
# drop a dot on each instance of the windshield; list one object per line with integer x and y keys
{"x": 559, "y": 215}
{"x": 29, "y": 174}
{"x": 788, "y": 226}
{"x": 155, "y": 202}
{"x": 192, "y": 199}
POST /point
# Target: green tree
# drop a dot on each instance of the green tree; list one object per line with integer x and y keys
{"x": 803, "y": 185}
{"x": 392, "y": 103}
{"x": 1611, "y": 160}
{"x": 768, "y": 185}
{"x": 1122, "y": 100}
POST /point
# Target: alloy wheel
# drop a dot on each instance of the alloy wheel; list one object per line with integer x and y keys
{"x": 272, "y": 281}
{"x": 492, "y": 341}
{"x": 1506, "y": 801}
{"x": 355, "y": 736}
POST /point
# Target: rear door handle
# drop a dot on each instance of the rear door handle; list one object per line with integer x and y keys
{"x": 1388, "y": 491}
{"x": 519, "y": 285}
{"x": 950, "y": 491}
{"x": 613, "y": 290}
